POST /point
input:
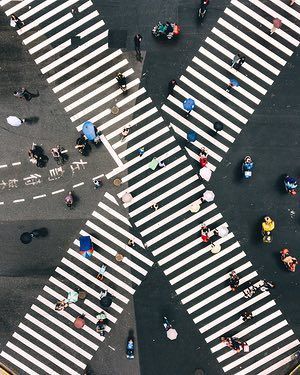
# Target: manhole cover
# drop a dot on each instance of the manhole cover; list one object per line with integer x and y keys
{"x": 117, "y": 182}
{"x": 115, "y": 110}
{"x": 119, "y": 257}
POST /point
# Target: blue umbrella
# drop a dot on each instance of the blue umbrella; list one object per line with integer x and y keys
{"x": 88, "y": 130}
{"x": 189, "y": 104}
{"x": 234, "y": 82}
{"x": 191, "y": 136}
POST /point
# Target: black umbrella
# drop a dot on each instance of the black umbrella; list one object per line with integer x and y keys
{"x": 105, "y": 301}
{"x": 218, "y": 126}
{"x": 26, "y": 238}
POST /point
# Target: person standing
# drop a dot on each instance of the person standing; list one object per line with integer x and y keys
{"x": 15, "y": 21}
{"x": 23, "y": 93}
{"x": 137, "y": 46}
{"x": 276, "y": 25}
{"x": 234, "y": 280}
{"x": 246, "y": 315}
{"x": 171, "y": 86}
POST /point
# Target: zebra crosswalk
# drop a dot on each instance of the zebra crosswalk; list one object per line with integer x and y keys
{"x": 73, "y": 54}
{"x": 46, "y": 341}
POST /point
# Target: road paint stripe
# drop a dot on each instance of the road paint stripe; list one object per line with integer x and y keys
{"x": 111, "y": 151}
{"x": 58, "y": 336}
{"x": 212, "y": 285}
{"x": 246, "y": 51}
{"x": 63, "y": 32}
{"x": 32, "y": 11}
{"x": 82, "y": 74}
{"x": 57, "y": 191}
{"x": 113, "y": 252}
{"x": 98, "y": 309}
{"x": 277, "y": 365}
{"x": 100, "y": 175}
{"x": 16, "y": 163}
{"x": 19, "y": 200}
{"x": 52, "y": 346}
{"x": 286, "y": 8}
{"x": 17, "y": 363}
{"x": 39, "y": 196}
{"x": 208, "y": 274}
{"x": 95, "y": 53}
{"x": 17, "y": 7}
{"x": 1, "y": 203}
{"x": 3, "y": 166}
{"x": 114, "y": 213}
{"x": 257, "y": 31}
{"x": 77, "y": 185}
{"x": 111, "y": 198}
{"x": 239, "y": 321}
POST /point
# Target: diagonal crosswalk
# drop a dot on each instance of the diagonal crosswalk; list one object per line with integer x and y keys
{"x": 73, "y": 55}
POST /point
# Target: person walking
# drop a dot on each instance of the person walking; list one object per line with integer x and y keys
{"x": 15, "y": 121}
{"x": 171, "y": 86}
{"x": 101, "y": 273}
{"x": 234, "y": 281}
{"x": 232, "y": 83}
{"x": 23, "y": 93}
{"x": 97, "y": 184}
{"x": 15, "y": 21}
{"x": 204, "y": 232}
{"x": 124, "y": 133}
{"x": 137, "y": 46}
{"x": 276, "y": 25}
{"x": 246, "y": 315}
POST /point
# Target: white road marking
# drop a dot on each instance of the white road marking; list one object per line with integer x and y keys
{"x": 57, "y": 191}
{"x": 19, "y": 200}
{"x": 77, "y": 185}
{"x": 39, "y": 196}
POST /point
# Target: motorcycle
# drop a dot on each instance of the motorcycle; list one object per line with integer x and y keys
{"x": 69, "y": 200}
{"x": 122, "y": 82}
{"x": 203, "y": 8}
{"x": 247, "y": 167}
{"x": 290, "y": 185}
{"x": 130, "y": 348}
{"x": 168, "y": 29}
{"x": 289, "y": 261}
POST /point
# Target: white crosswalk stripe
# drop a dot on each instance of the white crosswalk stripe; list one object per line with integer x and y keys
{"x": 88, "y": 90}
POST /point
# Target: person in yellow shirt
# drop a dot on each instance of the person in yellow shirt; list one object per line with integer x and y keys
{"x": 267, "y": 226}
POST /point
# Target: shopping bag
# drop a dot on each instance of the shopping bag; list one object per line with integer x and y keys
{"x": 153, "y": 164}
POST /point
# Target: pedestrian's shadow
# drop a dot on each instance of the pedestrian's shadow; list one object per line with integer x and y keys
{"x": 32, "y": 120}
{"x": 43, "y": 232}
{"x": 238, "y": 173}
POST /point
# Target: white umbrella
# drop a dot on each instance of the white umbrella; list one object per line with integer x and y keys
{"x": 215, "y": 248}
{"x": 209, "y": 196}
{"x": 195, "y": 207}
{"x": 14, "y": 121}
{"x": 205, "y": 173}
{"x": 172, "y": 334}
{"x": 223, "y": 231}
{"x": 127, "y": 197}
{"x": 72, "y": 296}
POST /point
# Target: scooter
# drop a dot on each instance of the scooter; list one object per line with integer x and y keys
{"x": 290, "y": 184}
{"x": 289, "y": 261}
{"x": 168, "y": 30}
{"x": 247, "y": 167}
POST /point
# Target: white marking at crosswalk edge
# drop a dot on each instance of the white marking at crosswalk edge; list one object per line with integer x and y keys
{"x": 189, "y": 125}
{"x": 230, "y": 55}
{"x": 264, "y": 22}
{"x": 65, "y": 31}
{"x": 75, "y": 51}
{"x": 241, "y": 307}
{"x": 19, "y": 200}
{"x": 206, "y": 262}
{"x": 282, "y": 362}
{"x": 82, "y": 74}
{"x": 274, "y": 14}
{"x": 218, "y": 89}
{"x": 53, "y": 51}
{"x": 39, "y": 196}
{"x": 114, "y": 213}
{"x": 152, "y": 176}
{"x": 206, "y": 275}
{"x": 58, "y": 336}
{"x": 111, "y": 198}
{"x": 33, "y": 10}
{"x": 99, "y": 90}
{"x": 98, "y": 309}
{"x": 77, "y": 185}
{"x": 286, "y": 8}
{"x": 246, "y": 51}
{"x": 111, "y": 151}
{"x": 257, "y": 31}
{"x": 239, "y": 321}
{"x": 213, "y": 284}
{"x": 29, "y": 357}
{"x": 16, "y": 163}
{"x": 17, "y": 7}
{"x": 42, "y": 352}
{"x": 17, "y": 363}
{"x": 57, "y": 191}
{"x": 226, "y": 66}
{"x": 258, "y": 350}
{"x": 3, "y": 166}
{"x": 51, "y": 345}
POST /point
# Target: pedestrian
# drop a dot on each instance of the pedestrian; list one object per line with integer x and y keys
{"x": 232, "y": 83}
{"x": 15, "y": 121}
{"x": 276, "y": 25}
{"x": 75, "y": 11}
{"x": 203, "y": 157}
{"x": 23, "y": 93}
{"x": 161, "y": 164}
{"x": 234, "y": 281}
{"x": 79, "y": 321}
{"x": 124, "y": 133}
{"x": 246, "y": 315}
{"x": 154, "y": 206}
{"x": 292, "y": 2}
{"x": 204, "y": 232}
{"x": 235, "y": 60}
{"x": 97, "y": 184}
{"x": 141, "y": 151}
{"x": 240, "y": 63}
{"x": 137, "y": 46}
{"x": 61, "y": 305}
{"x": 171, "y": 86}
{"x": 102, "y": 270}
{"x": 130, "y": 242}
{"x": 15, "y": 21}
